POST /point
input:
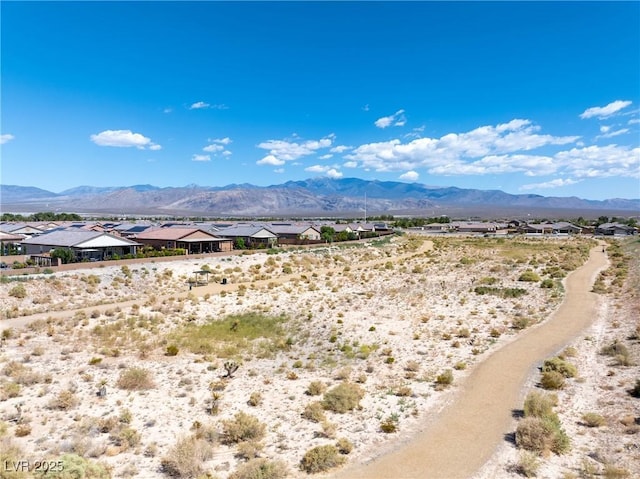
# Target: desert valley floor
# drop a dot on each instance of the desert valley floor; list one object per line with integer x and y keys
{"x": 353, "y": 347}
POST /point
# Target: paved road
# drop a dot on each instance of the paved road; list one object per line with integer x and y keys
{"x": 459, "y": 441}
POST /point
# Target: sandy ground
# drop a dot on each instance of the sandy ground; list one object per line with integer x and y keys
{"x": 349, "y": 310}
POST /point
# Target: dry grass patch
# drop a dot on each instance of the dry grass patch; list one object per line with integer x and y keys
{"x": 135, "y": 379}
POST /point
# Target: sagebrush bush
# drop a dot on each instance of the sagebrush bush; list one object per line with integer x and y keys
{"x": 343, "y": 398}
{"x": 314, "y": 411}
{"x": 249, "y": 449}
{"x": 321, "y": 458}
{"x": 565, "y": 368}
{"x": 135, "y": 379}
{"x": 186, "y": 457}
{"x": 344, "y": 445}
{"x": 316, "y": 388}
{"x": 592, "y": 419}
{"x": 614, "y": 349}
{"x": 18, "y": 291}
{"x": 528, "y": 464}
{"x": 255, "y": 399}
{"x": 243, "y": 427}
{"x": 538, "y": 404}
{"x": 260, "y": 469}
{"x": 552, "y": 380}
{"x": 64, "y": 401}
{"x": 542, "y": 435}
{"x": 445, "y": 378}
{"x": 74, "y": 466}
{"x": 529, "y": 276}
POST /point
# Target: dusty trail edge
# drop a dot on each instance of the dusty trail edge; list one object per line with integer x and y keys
{"x": 460, "y": 439}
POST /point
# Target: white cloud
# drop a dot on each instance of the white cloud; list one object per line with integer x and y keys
{"x": 350, "y": 164}
{"x": 410, "y": 176}
{"x": 199, "y": 105}
{"x": 366, "y": 107}
{"x": 167, "y": 110}
{"x": 6, "y": 138}
{"x": 123, "y": 139}
{"x": 282, "y": 150}
{"x": 201, "y": 158}
{"x": 317, "y": 169}
{"x": 340, "y": 149}
{"x": 604, "y": 129}
{"x": 605, "y": 111}
{"x": 610, "y": 134}
{"x": 397, "y": 119}
{"x": 487, "y": 149}
{"x": 600, "y": 161}
{"x": 333, "y": 173}
{"x": 213, "y": 148}
{"x": 226, "y": 153}
{"x": 270, "y": 160}
{"x": 222, "y": 141}
{"x": 279, "y": 170}
{"x": 633, "y": 121}
{"x": 325, "y": 157}
{"x": 550, "y": 184}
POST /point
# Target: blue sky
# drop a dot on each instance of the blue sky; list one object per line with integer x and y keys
{"x": 539, "y": 97}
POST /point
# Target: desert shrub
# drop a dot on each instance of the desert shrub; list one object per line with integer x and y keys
{"x": 185, "y": 458}
{"x": 520, "y": 322}
{"x": 552, "y": 380}
{"x": 344, "y": 445}
{"x": 321, "y": 458}
{"x": 547, "y": 283}
{"x": 75, "y": 466}
{"x": 528, "y": 464}
{"x": 243, "y": 427}
{"x": 172, "y": 350}
{"x": 592, "y": 419}
{"x": 9, "y": 390}
{"x": 535, "y": 434}
{"x": 412, "y": 366}
{"x": 614, "y": 349}
{"x": 18, "y": 291}
{"x": 135, "y": 379}
{"x": 343, "y": 398}
{"x": 316, "y": 388}
{"x": 23, "y": 430}
{"x": 529, "y": 276}
{"x": 565, "y": 368}
{"x": 445, "y": 378}
{"x": 249, "y": 449}
{"x": 260, "y": 469}
{"x": 255, "y": 399}
{"x": 314, "y": 411}
{"x": 539, "y": 404}
{"x": 126, "y": 438}
{"x": 611, "y": 471}
{"x": 389, "y": 425}
{"x": 64, "y": 401}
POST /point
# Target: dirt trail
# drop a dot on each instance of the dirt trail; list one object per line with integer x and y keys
{"x": 201, "y": 291}
{"x": 457, "y": 442}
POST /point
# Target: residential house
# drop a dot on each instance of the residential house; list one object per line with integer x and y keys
{"x": 193, "y": 240}
{"x": 87, "y": 245}
{"x": 251, "y": 235}
{"x": 615, "y": 229}
{"x": 295, "y": 231}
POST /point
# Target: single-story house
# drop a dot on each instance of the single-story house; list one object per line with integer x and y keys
{"x": 290, "y": 231}
{"x": 250, "y": 235}
{"x": 87, "y": 245}
{"x": 23, "y": 229}
{"x": 10, "y": 243}
{"x": 615, "y": 229}
{"x": 194, "y": 240}
{"x": 564, "y": 227}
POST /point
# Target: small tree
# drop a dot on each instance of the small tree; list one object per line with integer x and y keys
{"x": 66, "y": 255}
{"x": 239, "y": 244}
{"x": 327, "y": 233}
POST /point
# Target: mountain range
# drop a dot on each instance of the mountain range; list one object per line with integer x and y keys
{"x": 316, "y": 196}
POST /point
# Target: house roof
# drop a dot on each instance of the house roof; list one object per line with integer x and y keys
{"x": 291, "y": 229}
{"x": 247, "y": 231}
{"x": 79, "y": 239}
{"x": 174, "y": 234}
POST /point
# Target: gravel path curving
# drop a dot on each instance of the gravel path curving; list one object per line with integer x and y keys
{"x": 464, "y": 435}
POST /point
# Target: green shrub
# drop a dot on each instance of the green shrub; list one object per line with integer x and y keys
{"x": 565, "y": 368}
{"x": 547, "y": 283}
{"x": 541, "y": 435}
{"x": 321, "y": 458}
{"x": 243, "y": 427}
{"x": 528, "y": 464}
{"x": 255, "y": 399}
{"x": 540, "y": 405}
{"x": 389, "y": 425}
{"x": 18, "y": 291}
{"x": 343, "y": 398}
{"x": 520, "y": 322}
{"x": 529, "y": 276}
{"x": 74, "y": 466}
{"x": 445, "y": 378}
{"x": 614, "y": 349}
{"x": 552, "y": 380}
{"x": 260, "y": 469}
{"x": 172, "y": 350}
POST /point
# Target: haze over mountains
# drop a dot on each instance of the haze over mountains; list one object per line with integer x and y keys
{"x": 317, "y": 196}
